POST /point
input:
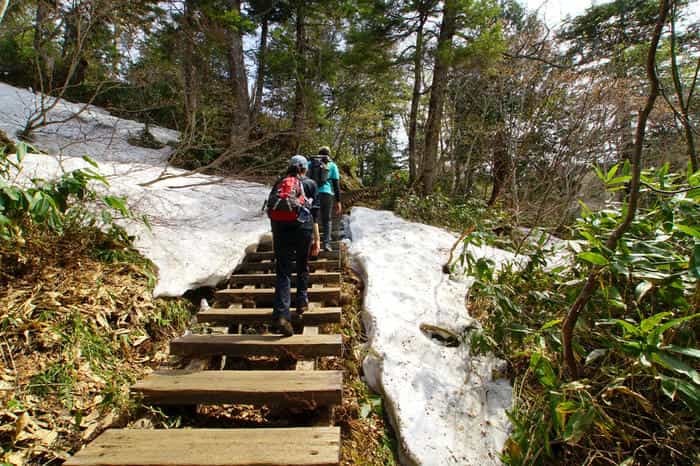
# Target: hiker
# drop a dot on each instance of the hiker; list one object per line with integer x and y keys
{"x": 295, "y": 236}
{"x": 325, "y": 172}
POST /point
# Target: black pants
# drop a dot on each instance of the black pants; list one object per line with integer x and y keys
{"x": 326, "y": 211}
{"x": 291, "y": 242}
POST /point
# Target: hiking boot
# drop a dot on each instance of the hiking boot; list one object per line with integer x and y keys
{"x": 327, "y": 247}
{"x": 283, "y": 326}
{"x": 302, "y": 306}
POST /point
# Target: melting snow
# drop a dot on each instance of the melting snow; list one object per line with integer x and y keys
{"x": 443, "y": 402}
{"x": 200, "y": 227}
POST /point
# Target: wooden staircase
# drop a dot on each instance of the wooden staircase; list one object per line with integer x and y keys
{"x": 243, "y": 307}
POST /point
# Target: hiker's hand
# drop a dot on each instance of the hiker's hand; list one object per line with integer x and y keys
{"x": 338, "y": 208}
{"x": 315, "y": 248}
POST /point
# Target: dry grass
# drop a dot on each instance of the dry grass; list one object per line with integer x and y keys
{"x": 75, "y": 331}
{"x": 367, "y": 436}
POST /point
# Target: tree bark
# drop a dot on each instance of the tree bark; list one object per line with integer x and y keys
{"x": 260, "y": 76}
{"x": 44, "y": 61}
{"x": 3, "y": 8}
{"x": 684, "y": 103}
{"x": 239, "y": 82}
{"x": 443, "y": 61}
{"x": 633, "y": 198}
{"x": 299, "y": 118}
{"x": 501, "y": 164}
{"x": 189, "y": 71}
{"x": 415, "y": 100}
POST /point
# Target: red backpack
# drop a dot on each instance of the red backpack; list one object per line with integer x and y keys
{"x": 286, "y": 199}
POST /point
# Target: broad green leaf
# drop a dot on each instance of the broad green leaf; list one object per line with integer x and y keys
{"x": 12, "y": 193}
{"x": 593, "y": 258}
{"x": 543, "y": 370}
{"x": 672, "y": 323}
{"x": 692, "y": 352}
{"x": 562, "y": 411}
{"x": 694, "y": 266}
{"x": 688, "y": 230}
{"x": 620, "y": 180}
{"x": 612, "y": 171}
{"x": 629, "y": 327}
{"x": 595, "y": 354}
{"x": 551, "y": 323}
{"x": 90, "y": 160}
{"x": 676, "y": 365}
{"x": 117, "y": 203}
{"x": 689, "y": 393}
{"x": 578, "y": 425}
{"x": 642, "y": 289}
{"x": 652, "y": 322}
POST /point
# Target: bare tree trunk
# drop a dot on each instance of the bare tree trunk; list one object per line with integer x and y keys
{"x": 239, "y": 82}
{"x": 501, "y": 164}
{"x": 633, "y": 197}
{"x": 299, "y": 119}
{"x": 189, "y": 70}
{"x": 682, "y": 102}
{"x": 3, "y": 8}
{"x": 415, "y": 100}
{"x": 44, "y": 61}
{"x": 260, "y": 77}
{"x": 437, "y": 93}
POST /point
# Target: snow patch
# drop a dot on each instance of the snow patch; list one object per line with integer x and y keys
{"x": 444, "y": 403}
{"x": 200, "y": 227}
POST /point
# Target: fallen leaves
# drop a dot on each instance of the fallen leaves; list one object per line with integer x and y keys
{"x": 75, "y": 334}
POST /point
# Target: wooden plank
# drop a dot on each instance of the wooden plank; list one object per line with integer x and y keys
{"x": 273, "y": 388}
{"x": 314, "y": 446}
{"x": 251, "y": 316}
{"x": 265, "y": 296}
{"x": 295, "y": 347}
{"x": 269, "y": 255}
{"x": 308, "y": 364}
{"x": 269, "y": 266}
{"x": 269, "y": 278}
{"x": 266, "y": 245}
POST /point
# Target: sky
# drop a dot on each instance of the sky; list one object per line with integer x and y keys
{"x": 555, "y": 11}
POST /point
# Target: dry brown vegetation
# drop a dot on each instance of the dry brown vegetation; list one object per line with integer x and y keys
{"x": 78, "y": 324}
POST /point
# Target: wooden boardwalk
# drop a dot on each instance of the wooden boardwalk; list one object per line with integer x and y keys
{"x": 245, "y": 304}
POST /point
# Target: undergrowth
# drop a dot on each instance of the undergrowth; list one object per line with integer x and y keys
{"x": 78, "y": 323}
{"x": 638, "y": 401}
{"x": 367, "y": 436}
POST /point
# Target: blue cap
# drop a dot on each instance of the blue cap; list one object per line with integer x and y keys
{"x": 298, "y": 161}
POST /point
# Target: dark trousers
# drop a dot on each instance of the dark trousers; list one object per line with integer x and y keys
{"x": 326, "y": 210}
{"x": 291, "y": 242}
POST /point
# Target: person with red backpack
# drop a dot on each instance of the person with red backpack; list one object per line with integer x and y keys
{"x": 295, "y": 237}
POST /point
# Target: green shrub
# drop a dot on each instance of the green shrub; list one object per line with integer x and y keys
{"x": 639, "y": 400}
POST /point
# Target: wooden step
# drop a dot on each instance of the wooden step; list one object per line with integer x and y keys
{"x": 296, "y": 346}
{"x": 273, "y": 388}
{"x": 253, "y": 316}
{"x": 269, "y": 278}
{"x": 265, "y": 296}
{"x": 269, "y": 255}
{"x": 266, "y": 245}
{"x": 311, "y": 446}
{"x": 269, "y": 266}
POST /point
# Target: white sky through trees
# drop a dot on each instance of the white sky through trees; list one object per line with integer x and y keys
{"x": 555, "y": 11}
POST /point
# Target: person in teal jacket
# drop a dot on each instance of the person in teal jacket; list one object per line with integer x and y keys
{"x": 328, "y": 192}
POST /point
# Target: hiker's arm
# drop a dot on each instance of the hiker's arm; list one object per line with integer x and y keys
{"x": 316, "y": 244}
{"x": 336, "y": 190}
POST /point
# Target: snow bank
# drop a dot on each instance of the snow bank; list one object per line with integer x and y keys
{"x": 200, "y": 228}
{"x": 443, "y": 402}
